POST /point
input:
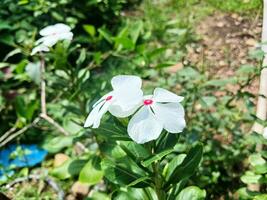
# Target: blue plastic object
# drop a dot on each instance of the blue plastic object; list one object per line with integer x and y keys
{"x": 23, "y": 155}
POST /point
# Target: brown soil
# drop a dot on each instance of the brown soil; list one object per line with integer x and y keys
{"x": 226, "y": 40}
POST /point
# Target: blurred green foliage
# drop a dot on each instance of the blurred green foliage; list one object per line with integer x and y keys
{"x": 127, "y": 37}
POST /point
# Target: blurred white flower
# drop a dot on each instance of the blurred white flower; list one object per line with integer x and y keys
{"x": 40, "y": 48}
{"x": 161, "y": 110}
{"x": 123, "y": 101}
{"x": 51, "y": 35}
{"x": 265, "y": 133}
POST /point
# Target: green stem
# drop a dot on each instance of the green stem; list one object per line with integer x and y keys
{"x": 158, "y": 179}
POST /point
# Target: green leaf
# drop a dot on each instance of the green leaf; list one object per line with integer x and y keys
{"x": 12, "y": 53}
{"x": 90, "y": 29}
{"x": 112, "y": 150}
{"x": 105, "y": 34}
{"x": 68, "y": 169}
{"x": 91, "y": 173}
{"x": 55, "y": 144}
{"x": 112, "y": 132}
{"x": 251, "y": 177}
{"x": 134, "y": 194}
{"x": 33, "y": 71}
{"x": 188, "y": 166}
{"x": 189, "y": 72}
{"x": 142, "y": 179}
{"x": 170, "y": 167}
{"x": 246, "y": 69}
{"x": 135, "y": 151}
{"x": 221, "y": 82}
{"x": 124, "y": 42}
{"x": 244, "y": 193}
{"x": 261, "y": 197}
{"x": 121, "y": 175}
{"x": 258, "y": 163}
{"x": 82, "y": 57}
{"x": 156, "y": 157}
{"x": 209, "y": 100}
{"x": 5, "y": 25}
{"x": 191, "y": 193}
{"x": 98, "y": 196}
{"x": 256, "y": 159}
{"x": 135, "y": 30}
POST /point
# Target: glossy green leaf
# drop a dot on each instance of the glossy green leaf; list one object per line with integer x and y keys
{"x": 135, "y": 151}
{"x": 244, "y": 194}
{"x": 156, "y": 157}
{"x": 122, "y": 175}
{"x": 91, "y": 173}
{"x": 188, "y": 166}
{"x": 56, "y": 144}
{"x": 250, "y": 177}
{"x": 68, "y": 169}
{"x": 90, "y": 29}
{"x": 171, "y": 166}
{"x": 191, "y": 193}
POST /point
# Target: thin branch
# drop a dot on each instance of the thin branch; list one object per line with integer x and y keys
{"x": 54, "y": 123}
{"x": 9, "y": 132}
{"x": 43, "y": 93}
{"x": 14, "y": 135}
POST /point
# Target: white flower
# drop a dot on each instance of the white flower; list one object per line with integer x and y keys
{"x": 161, "y": 110}
{"x": 265, "y": 133}
{"x": 54, "y": 33}
{"x": 123, "y": 101}
{"x": 40, "y": 48}
{"x": 51, "y": 35}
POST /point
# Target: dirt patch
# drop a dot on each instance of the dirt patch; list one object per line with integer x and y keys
{"x": 225, "y": 41}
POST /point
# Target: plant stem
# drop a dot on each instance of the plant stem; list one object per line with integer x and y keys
{"x": 43, "y": 95}
{"x": 158, "y": 182}
{"x": 158, "y": 179}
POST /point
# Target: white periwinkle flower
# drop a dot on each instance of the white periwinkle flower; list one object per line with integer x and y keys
{"x": 39, "y": 48}
{"x": 121, "y": 102}
{"x": 162, "y": 110}
{"x": 51, "y": 35}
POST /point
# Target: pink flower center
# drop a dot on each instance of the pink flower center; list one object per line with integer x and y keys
{"x": 148, "y": 102}
{"x": 108, "y": 98}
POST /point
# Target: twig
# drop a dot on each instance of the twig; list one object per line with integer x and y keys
{"x": 6, "y": 134}
{"x": 43, "y": 94}
{"x": 54, "y": 123}
{"x": 43, "y": 114}
{"x": 25, "y": 128}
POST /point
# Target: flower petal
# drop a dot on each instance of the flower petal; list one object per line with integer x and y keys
{"x": 65, "y": 36}
{"x": 118, "y": 111}
{"x": 126, "y": 81}
{"x": 96, "y": 114}
{"x": 171, "y": 115}
{"x": 144, "y": 127}
{"x": 48, "y": 41}
{"x": 40, "y": 48}
{"x": 162, "y": 95}
{"x": 55, "y": 29}
{"x": 128, "y": 98}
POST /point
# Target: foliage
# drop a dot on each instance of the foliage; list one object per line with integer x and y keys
{"x": 130, "y": 37}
